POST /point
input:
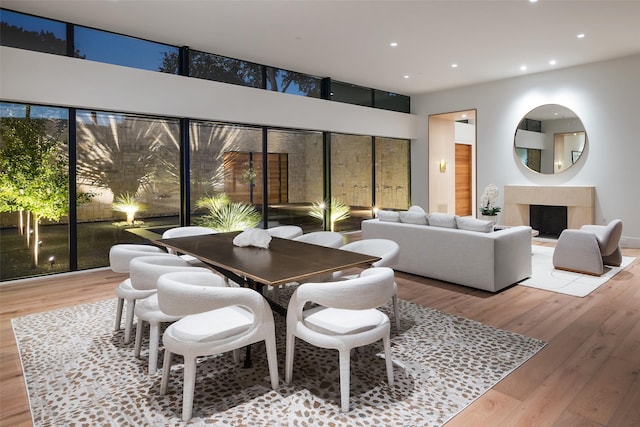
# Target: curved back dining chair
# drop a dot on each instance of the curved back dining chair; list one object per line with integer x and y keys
{"x": 145, "y": 272}
{"x": 186, "y": 231}
{"x": 389, "y": 253}
{"x": 330, "y": 239}
{"x": 216, "y": 320}
{"x": 346, "y": 317}
{"x": 285, "y": 231}
{"x": 120, "y": 255}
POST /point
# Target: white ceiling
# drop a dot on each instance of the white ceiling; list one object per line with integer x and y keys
{"x": 349, "y": 40}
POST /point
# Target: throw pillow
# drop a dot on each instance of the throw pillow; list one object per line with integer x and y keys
{"x": 473, "y": 224}
{"x": 438, "y": 219}
{"x": 416, "y": 208}
{"x": 413, "y": 218}
{"x": 390, "y": 216}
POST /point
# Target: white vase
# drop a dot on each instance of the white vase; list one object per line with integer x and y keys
{"x": 493, "y": 218}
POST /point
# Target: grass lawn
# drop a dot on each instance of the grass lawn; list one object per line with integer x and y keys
{"x": 94, "y": 241}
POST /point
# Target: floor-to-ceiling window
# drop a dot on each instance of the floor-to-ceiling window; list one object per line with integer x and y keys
{"x": 34, "y": 190}
{"x": 129, "y": 165}
{"x": 351, "y": 181}
{"x": 129, "y": 180}
{"x": 392, "y": 174}
{"x": 295, "y": 176}
{"x": 225, "y": 168}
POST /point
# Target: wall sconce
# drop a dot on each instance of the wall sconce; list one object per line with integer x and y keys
{"x": 559, "y": 165}
{"x": 443, "y": 166}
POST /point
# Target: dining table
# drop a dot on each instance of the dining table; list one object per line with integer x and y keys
{"x": 283, "y": 261}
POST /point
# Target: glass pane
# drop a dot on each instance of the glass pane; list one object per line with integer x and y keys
{"x": 295, "y": 178}
{"x": 34, "y": 196}
{"x": 130, "y": 164}
{"x": 350, "y": 94}
{"x": 351, "y": 175}
{"x": 391, "y": 101}
{"x": 279, "y": 80}
{"x": 392, "y": 173}
{"x": 222, "y": 69}
{"x": 32, "y": 33}
{"x": 117, "y": 49}
{"x": 226, "y": 169}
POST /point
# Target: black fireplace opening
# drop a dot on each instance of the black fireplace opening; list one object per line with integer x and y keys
{"x": 548, "y": 220}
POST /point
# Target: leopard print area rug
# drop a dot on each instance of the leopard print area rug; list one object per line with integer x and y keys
{"x": 79, "y": 372}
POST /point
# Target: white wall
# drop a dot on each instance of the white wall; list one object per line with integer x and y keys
{"x": 604, "y": 95}
{"x": 57, "y": 80}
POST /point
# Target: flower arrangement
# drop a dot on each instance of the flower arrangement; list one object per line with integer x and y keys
{"x": 488, "y": 201}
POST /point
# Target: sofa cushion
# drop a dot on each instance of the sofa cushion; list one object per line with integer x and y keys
{"x": 413, "y": 218}
{"x": 438, "y": 219}
{"x": 473, "y": 224}
{"x": 390, "y": 216}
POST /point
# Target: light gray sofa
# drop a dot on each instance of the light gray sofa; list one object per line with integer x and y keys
{"x": 488, "y": 261}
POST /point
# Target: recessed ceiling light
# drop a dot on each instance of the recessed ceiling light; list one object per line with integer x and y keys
{"x": 454, "y": 65}
{"x": 533, "y": 1}
{"x": 552, "y": 62}
{"x": 393, "y": 44}
{"x": 581, "y": 36}
{"x": 406, "y": 76}
{"x": 523, "y": 68}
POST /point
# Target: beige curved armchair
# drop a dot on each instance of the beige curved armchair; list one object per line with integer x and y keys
{"x": 589, "y": 249}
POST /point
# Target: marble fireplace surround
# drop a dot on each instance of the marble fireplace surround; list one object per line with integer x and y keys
{"x": 579, "y": 200}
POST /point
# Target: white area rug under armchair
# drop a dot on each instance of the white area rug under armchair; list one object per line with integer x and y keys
{"x": 545, "y": 276}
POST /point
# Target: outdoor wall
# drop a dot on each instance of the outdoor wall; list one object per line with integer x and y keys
{"x": 605, "y": 97}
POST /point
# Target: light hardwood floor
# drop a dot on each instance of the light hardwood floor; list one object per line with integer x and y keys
{"x": 587, "y": 375}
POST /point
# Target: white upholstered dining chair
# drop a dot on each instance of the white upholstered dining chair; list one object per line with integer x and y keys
{"x": 285, "y": 231}
{"x": 330, "y": 239}
{"x": 145, "y": 272}
{"x": 346, "y": 317}
{"x": 120, "y": 255}
{"x": 216, "y": 320}
{"x": 186, "y": 231}
{"x": 388, "y": 251}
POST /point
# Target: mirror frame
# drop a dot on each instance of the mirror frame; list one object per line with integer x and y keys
{"x": 555, "y": 150}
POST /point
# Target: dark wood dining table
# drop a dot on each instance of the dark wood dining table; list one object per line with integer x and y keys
{"x": 284, "y": 261}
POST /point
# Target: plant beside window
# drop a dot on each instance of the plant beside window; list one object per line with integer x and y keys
{"x": 225, "y": 215}
{"x": 488, "y": 201}
{"x": 128, "y": 204}
{"x": 339, "y": 211}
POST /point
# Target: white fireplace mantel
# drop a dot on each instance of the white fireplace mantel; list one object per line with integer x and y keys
{"x": 579, "y": 200}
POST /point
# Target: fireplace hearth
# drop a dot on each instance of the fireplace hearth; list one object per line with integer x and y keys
{"x": 548, "y": 220}
{"x": 579, "y": 202}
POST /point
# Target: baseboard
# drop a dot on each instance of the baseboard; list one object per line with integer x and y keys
{"x": 630, "y": 242}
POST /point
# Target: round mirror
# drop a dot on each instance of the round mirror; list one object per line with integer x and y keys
{"x": 550, "y": 139}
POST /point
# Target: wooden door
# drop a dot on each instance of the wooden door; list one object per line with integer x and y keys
{"x": 463, "y": 179}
